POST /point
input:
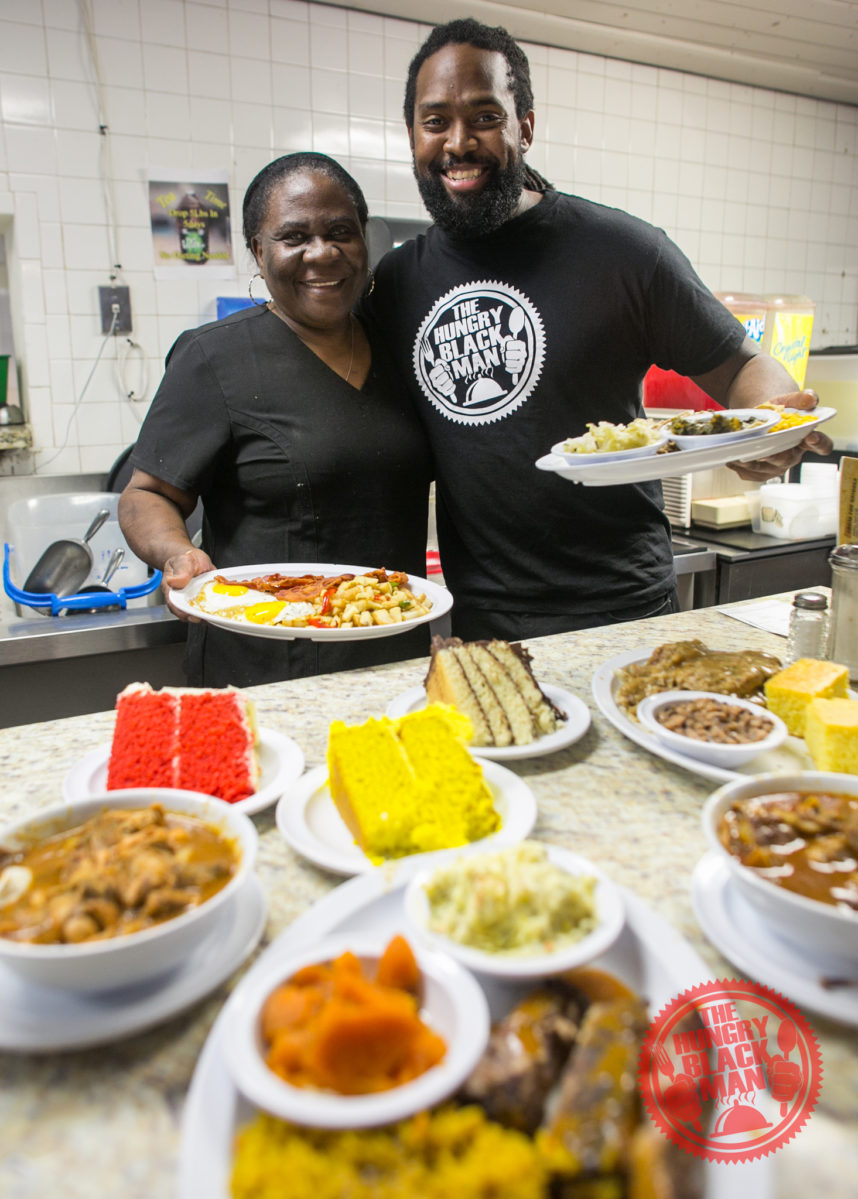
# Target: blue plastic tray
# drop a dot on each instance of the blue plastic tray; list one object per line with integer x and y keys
{"x": 83, "y": 599}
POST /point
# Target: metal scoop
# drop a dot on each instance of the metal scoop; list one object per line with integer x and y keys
{"x": 65, "y": 564}
{"x": 98, "y": 588}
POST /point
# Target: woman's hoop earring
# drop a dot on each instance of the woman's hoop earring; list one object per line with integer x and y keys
{"x": 258, "y": 303}
{"x": 371, "y": 287}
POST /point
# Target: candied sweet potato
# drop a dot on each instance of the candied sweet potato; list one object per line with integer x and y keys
{"x": 331, "y": 1027}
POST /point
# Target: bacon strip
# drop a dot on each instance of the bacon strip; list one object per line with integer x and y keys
{"x": 306, "y": 588}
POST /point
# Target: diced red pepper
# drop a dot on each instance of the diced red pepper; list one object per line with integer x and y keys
{"x": 326, "y": 602}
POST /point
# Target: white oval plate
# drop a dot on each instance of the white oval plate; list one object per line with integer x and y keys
{"x": 47, "y": 1020}
{"x": 698, "y": 441}
{"x": 682, "y": 462}
{"x": 454, "y": 1006}
{"x": 739, "y": 932}
{"x": 310, "y": 823}
{"x": 281, "y": 763}
{"x": 649, "y": 955}
{"x": 791, "y": 756}
{"x": 440, "y": 597}
{"x": 609, "y": 910}
{"x": 573, "y": 728}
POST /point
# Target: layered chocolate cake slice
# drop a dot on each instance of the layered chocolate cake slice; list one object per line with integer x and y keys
{"x": 492, "y": 683}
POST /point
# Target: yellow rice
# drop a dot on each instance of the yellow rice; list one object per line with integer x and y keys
{"x": 434, "y": 1155}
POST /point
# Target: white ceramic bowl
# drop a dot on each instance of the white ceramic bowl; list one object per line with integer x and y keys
{"x": 816, "y": 928}
{"x": 638, "y": 451}
{"x": 610, "y": 913}
{"x": 136, "y": 957}
{"x": 716, "y": 753}
{"x": 454, "y": 1006}
{"x": 702, "y": 441}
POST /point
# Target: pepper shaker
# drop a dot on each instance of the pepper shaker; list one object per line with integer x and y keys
{"x": 843, "y": 638}
{"x": 808, "y": 626}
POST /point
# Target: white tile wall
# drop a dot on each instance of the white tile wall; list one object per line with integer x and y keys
{"x": 759, "y": 188}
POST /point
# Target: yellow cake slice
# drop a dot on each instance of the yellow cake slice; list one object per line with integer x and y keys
{"x": 410, "y": 785}
{"x": 790, "y": 690}
{"x": 831, "y": 733}
{"x": 369, "y": 775}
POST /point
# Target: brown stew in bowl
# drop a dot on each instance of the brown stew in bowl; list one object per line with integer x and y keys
{"x": 806, "y": 842}
{"x": 121, "y": 871}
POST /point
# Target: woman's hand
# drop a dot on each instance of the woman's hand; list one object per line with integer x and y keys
{"x": 178, "y": 572}
{"x": 759, "y": 470}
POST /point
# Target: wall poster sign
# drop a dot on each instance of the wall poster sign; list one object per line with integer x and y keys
{"x": 190, "y": 223}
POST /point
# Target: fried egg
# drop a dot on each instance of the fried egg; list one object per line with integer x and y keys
{"x": 247, "y": 605}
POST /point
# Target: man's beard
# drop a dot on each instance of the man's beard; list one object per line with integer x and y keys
{"x": 478, "y": 214}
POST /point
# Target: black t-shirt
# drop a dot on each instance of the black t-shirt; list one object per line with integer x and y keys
{"x": 596, "y": 297}
{"x": 292, "y": 464}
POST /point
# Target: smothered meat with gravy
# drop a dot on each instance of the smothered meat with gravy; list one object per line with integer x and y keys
{"x": 691, "y": 666}
{"x": 119, "y": 872}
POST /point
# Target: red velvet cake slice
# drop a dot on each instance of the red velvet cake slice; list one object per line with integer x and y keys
{"x": 191, "y": 738}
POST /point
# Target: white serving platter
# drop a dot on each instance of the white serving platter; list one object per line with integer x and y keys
{"x": 440, "y": 598}
{"x": 650, "y": 956}
{"x": 791, "y": 756}
{"x": 568, "y": 732}
{"x": 311, "y": 825}
{"x": 682, "y": 462}
{"x": 281, "y": 763}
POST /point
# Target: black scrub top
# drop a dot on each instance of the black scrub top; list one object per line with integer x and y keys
{"x": 292, "y": 464}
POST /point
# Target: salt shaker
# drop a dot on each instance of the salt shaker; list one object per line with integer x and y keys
{"x": 843, "y": 639}
{"x": 808, "y": 626}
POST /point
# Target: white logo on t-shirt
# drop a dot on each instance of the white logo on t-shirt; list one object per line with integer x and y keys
{"x": 479, "y": 352}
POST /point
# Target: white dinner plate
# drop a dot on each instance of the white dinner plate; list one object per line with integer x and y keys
{"x": 572, "y": 729}
{"x": 790, "y": 757}
{"x": 47, "y": 1020}
{"x": 310, "y": 823}
{"x": 739, "y": 932}
{"x": 649, "y": 955}
{"x": 682, "y": 462}
{"x": 439, "y": 597}
{"x": 281, "y": 762}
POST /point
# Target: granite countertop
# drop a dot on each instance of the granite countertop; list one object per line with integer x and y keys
{"x": 106, "y": 1121}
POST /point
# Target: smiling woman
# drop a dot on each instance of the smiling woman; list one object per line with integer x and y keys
{"x": 288, "y": 424}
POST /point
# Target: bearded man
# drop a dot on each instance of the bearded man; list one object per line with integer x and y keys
{"x": 522, "y": 315}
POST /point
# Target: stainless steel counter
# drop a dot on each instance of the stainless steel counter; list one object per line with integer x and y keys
{"x": 49, "y": 638}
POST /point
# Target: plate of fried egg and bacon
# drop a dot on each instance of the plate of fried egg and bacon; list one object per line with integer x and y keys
{"x": 319, "y": 601}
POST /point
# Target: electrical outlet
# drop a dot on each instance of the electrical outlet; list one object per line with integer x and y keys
{"x": 107, "y": 297}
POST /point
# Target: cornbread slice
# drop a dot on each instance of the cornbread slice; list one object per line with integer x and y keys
{"x": 790, "y": 690}
{"x": 831, "y": 733}
{"x": 410, "y": 785}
